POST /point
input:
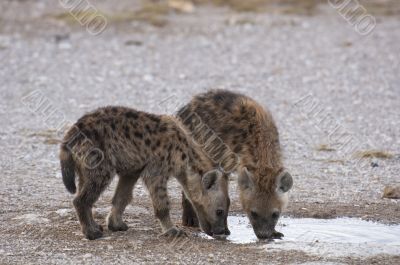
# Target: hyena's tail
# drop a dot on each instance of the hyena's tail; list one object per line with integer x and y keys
{"x": 67, "y": 169}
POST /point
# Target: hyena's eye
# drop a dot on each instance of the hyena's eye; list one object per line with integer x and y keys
{"x": 254, "y": 214}
{"x": 219, "y": 212}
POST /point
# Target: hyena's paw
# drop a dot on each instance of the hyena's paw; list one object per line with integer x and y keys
{"x": 227, "y": 231}
{"x": 116, "y": 226}
{"x": 277, "y": 235}
{"x": 93, "y": 233}
{"x": 174, "y": 232}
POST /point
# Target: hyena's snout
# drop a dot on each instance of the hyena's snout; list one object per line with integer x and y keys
{"x": 220, "y": 228}
{"x": 264, "y": 231}
{"x": 214, "y": 230}
{"x": 264, "y": 234}
{"x": 218, "y": 231}
{"x": 271, "y": 234}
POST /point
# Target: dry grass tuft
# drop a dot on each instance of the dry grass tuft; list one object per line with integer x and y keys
{"x": 156, "y": 12}
{"x": 243, "y": 6}
{"x": 303, "y": 7}
{"x": 73, "y": 17}
{"x": 325, "y": 148}
{"x": 382, "y": 7}
{"x": 153, "y": 13}
{"x": 300, "y": 7}
{"x": 374, "y": 154}
{"x": 52, "y": 141}
{"x": 48, "y": 135}
{"x": 240, "y": 21}
{"x": 339, "y": 161}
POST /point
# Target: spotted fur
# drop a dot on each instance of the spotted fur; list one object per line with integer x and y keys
{"x": 132, "y": 144}
{"x": 249, "y": 131}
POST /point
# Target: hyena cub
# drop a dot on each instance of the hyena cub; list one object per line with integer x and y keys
{"x": 134, "y": 144}
{"x": 245, "y": 129}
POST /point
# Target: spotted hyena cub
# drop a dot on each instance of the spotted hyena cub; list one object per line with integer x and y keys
{"x": 240, "y": 126}
{"x": 134, "y": 144}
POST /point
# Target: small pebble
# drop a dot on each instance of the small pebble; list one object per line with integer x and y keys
{"x": 133, "y": 43}
{"x": 374, "y": 164}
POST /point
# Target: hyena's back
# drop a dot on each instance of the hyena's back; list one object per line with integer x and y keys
{"x": 117, "y": 137}
{"x": 241, "y": 123}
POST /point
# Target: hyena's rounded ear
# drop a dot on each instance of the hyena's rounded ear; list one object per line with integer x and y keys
{"x": 245, "y": 179}
{"x": 210, "y": 179}
{"x": 284, "y": 182}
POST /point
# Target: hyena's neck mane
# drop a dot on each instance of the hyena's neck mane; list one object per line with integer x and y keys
{"x": 268, "y": 155}
{"x": 196, "y": 165}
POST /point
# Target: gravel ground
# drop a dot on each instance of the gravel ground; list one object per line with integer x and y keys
{"x": 289, "y": 63}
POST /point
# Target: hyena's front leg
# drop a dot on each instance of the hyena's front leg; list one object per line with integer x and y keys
{"x": 122, "y": 197}
{"x": 157, "y": 186}
{"x": 189, "y": 217}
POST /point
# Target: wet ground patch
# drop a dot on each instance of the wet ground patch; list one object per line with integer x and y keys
{"x": 340, "y": 237}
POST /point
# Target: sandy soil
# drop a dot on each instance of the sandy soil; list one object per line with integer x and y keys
{"x": 285, "y": 61}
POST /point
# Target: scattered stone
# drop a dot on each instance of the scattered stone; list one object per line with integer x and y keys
{"x": 148, "y": 78}
{"x": 32, "y": 218}
{"x": 64, "y": 45}
{"x": 61, "y": 37}
{"x": 87, "y": 256}
{"x": 347, "y": 44}
{"x": 392, "y": 192}
{"x": 374, "y": 164}
{"x": 133, "y": 43}
{"x": 63, "y": 212}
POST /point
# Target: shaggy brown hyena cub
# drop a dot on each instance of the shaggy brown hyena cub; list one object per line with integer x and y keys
{"x": 134, "y": 144}
{"x": 240, "y": 126}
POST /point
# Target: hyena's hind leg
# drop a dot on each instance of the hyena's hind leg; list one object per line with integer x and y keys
{"x": 157, "y": 186}
{"x": 95, "y": 181}
{"x": 122, "y": 197}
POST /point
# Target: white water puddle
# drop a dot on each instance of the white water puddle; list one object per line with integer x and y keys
{"x": 324, "y": 237}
